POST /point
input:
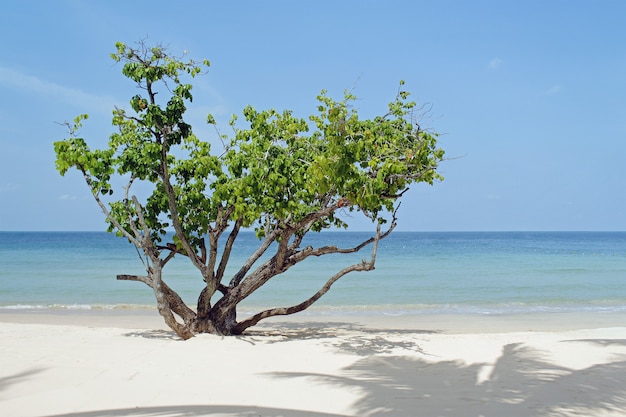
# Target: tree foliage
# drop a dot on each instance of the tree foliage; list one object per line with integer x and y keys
{"x": 281, "y": 175}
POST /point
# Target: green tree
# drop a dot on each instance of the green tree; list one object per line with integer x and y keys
{"x": 281, "y": 175}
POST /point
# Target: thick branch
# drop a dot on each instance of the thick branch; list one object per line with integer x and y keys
{"x": 221, "y": 224}
{"x": 268, "y": 269}
{"x": 363, "y": 266}
{"x": 325, "y": 250}
{"x": 171, "y": 198}
{"x": 202, "y": 251}
{"x": 213, "y": 243}
{"x": 139, "y": 278}
{"x": 269, "y": 239}
{"x": 303, "y": 225}
{"x": 176, "y": 303}
{"x": 169, "y": 256}
{"x": 281, "y": 252}
{"x": 228, "y": 247}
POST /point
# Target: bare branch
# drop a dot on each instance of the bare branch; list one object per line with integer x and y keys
{"x": 177, "y": 305}
{"x": 173, "y": 206}
{"x": 281, "y": 252}
{"x": 140, "y": 278}
{"x": 106, "y": 211}
{"x": 227, "y": 250}
{"x": 362, "y": 266}
{"x": 269, "y": 239}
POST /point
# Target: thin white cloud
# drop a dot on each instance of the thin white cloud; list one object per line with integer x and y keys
{"x": 555, "y": 89}
{"x": 495, "y": 63}
{"x": 8, "y": 187}
{"x": 67, "y": 197}
{"x": 30, "y": 83}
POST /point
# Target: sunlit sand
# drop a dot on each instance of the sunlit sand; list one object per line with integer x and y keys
{"x": 113, "y": 364}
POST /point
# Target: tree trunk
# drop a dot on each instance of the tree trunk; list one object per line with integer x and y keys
{"x": 221, "y": 318}
{"x": 163, "y": 305}
{"x": 168, "y": 302}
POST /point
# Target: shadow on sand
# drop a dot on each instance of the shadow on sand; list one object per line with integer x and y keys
{"x": 355, "y": 338}
{"x": 7, "y": 381}
{"x": 520, "y": 383}
{"x": 154, "y": 334}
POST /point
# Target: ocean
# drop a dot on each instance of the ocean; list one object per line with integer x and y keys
{"x": 482, "y": 273}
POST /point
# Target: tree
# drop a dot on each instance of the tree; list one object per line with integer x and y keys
{"x": 281, "y": 175}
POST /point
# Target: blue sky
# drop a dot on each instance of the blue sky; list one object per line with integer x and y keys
{"x": 530, "y": 96}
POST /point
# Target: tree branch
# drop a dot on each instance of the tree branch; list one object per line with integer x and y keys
{"x": 176, "y": 303}
{"x": 281, "y": 252}
{"x": 96, "y": 196}
{"x": 269, "y": 239}
{"x": 362, "y": 266}
{"x": 171, "y": 198}
{"x": 227, "y": 250}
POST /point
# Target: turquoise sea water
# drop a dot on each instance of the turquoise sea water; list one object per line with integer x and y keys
{"x": 416, "y": 273}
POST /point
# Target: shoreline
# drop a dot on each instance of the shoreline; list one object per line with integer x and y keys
{"x": 148, "y": 318}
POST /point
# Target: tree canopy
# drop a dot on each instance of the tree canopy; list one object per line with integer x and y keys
{"x": 278, "y": 174}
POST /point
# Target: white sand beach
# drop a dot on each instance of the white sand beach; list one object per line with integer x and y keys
{"x": 127, "y": 364}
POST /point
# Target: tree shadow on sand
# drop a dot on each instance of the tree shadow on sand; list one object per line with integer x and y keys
{"x": 520, "y": 383}
{"x": 154, "y": 334}
{"x": 6, "y": 381}
{"x": 355, "y": 338}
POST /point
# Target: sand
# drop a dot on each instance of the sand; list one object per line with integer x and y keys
{"x": 128, "y": 364}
